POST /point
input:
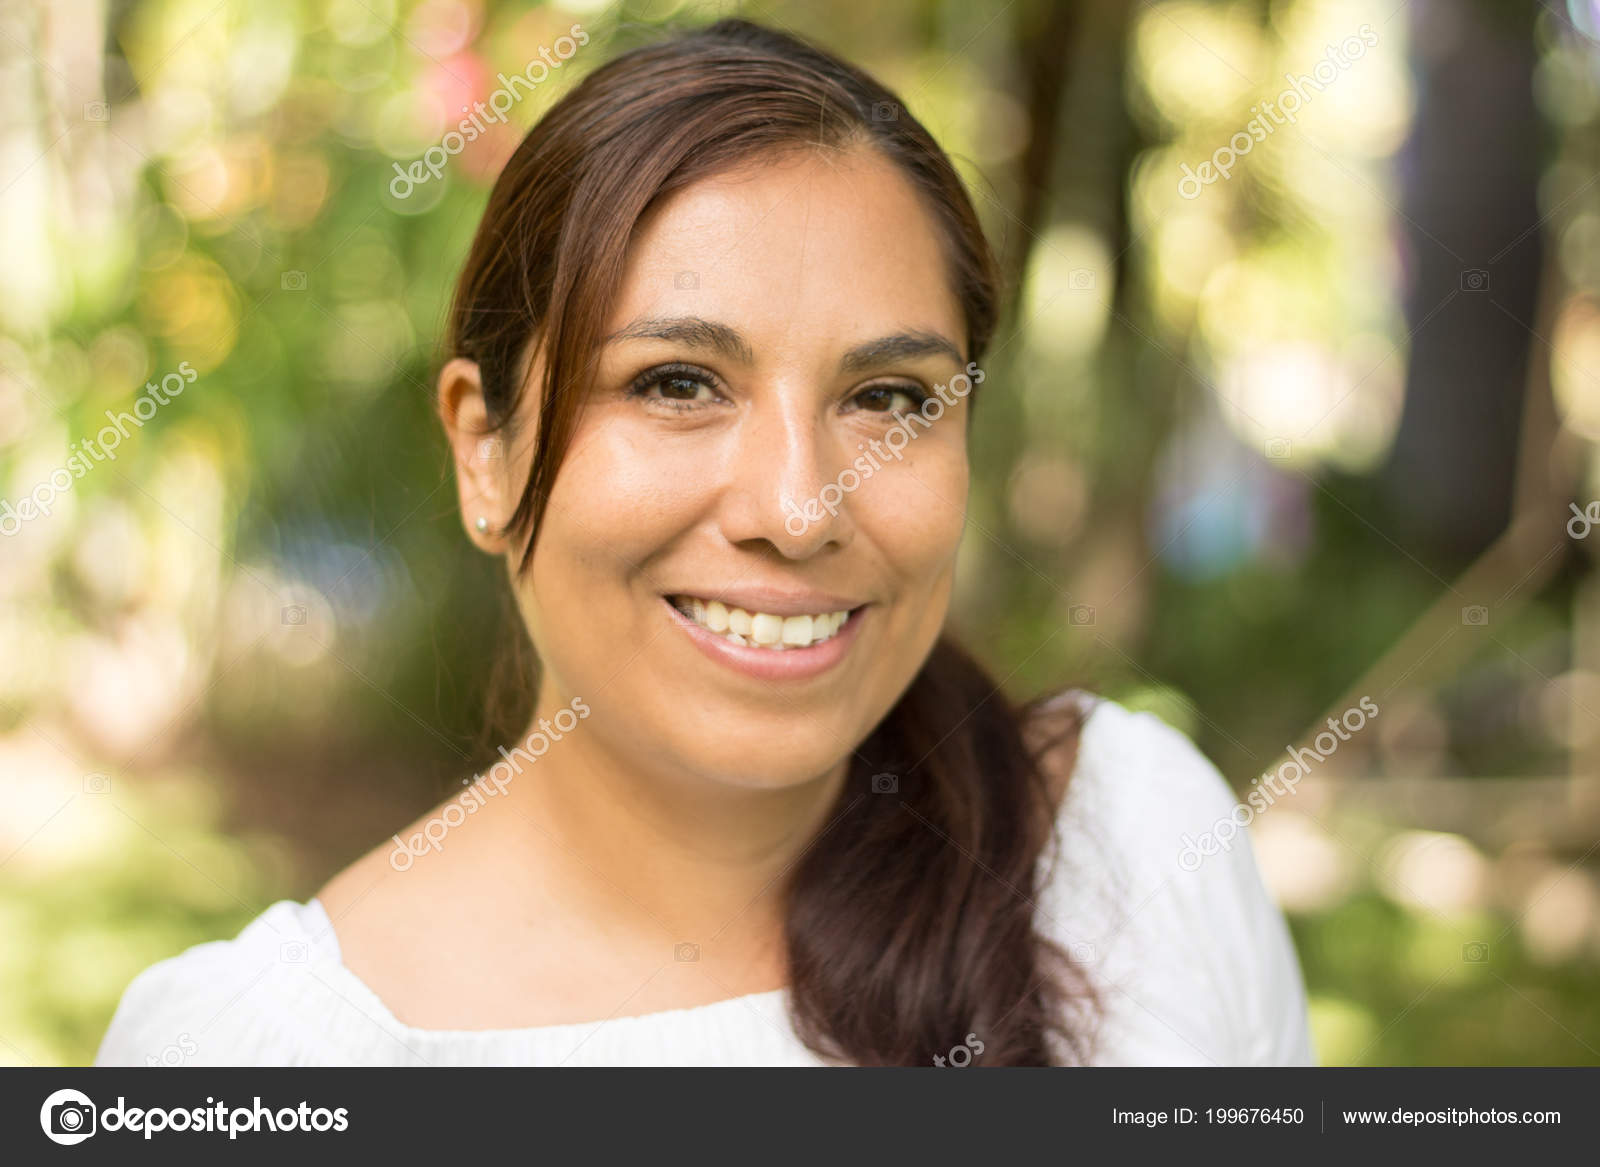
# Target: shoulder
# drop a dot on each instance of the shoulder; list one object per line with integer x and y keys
{"x": 228, "y": 1002}
{"x": 1136, "y": 774}
{"x": 1154, "y": 884}
{"x": 1129, "y": 775}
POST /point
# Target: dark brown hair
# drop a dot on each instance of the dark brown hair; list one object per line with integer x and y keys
{"x": 910, "y": 920}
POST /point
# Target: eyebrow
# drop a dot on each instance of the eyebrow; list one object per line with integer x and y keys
{"x": 709, "y": 334}
{"x": 901, "y": 346}
{"x": 692, "y": 331}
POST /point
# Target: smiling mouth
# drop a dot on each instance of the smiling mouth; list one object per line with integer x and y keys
{"x": 762, "y": 629}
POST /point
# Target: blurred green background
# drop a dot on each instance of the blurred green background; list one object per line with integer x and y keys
{"x": 1248, "y": 450}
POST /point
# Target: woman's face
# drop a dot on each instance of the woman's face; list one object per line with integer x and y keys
{"x": 771, "y": 322}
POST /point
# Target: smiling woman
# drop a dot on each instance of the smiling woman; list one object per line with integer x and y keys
{"x": 795, "y": 824}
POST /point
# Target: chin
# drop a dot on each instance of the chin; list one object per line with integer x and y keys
{"x": 789, "y": 751}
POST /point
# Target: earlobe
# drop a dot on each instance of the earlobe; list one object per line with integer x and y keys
{"x": 478, "y": 452}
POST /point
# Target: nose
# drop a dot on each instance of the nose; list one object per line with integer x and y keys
{"x": 782, "y": 484}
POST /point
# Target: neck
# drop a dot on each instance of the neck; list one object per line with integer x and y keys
{"x": 658, "y": 855}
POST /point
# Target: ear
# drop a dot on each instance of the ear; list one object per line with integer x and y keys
{"x": 483, "y": 479}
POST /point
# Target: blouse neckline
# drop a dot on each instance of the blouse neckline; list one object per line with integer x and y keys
{"x": 320, "y": 928}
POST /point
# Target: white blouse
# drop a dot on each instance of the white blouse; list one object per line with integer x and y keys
{"x": 1192, "y": 960}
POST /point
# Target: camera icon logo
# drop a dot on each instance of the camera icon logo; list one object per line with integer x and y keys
{"x": 885, "y": 111}
{"x": 1474, "y": 279}
{"x": 686, "y": 281}
{"x": 293, "y": 952}
{"x": 294, "y": 614}
{"x": 96, "y": 784}
{"x": 1081, "y": 279}
{"x": 96, "y": 111}
{"x": 490, "y": 449}
{"x": 1475, "y": 615}
{"x": 885, "y": 784}
{"x": 1277, "y": 449}
{"x": 293, "y": 281}
{"x": 1475, "y": 952}
{"x": 1080, "y": 615}
{"x": 686, "y": 953}
{"x": 68, "y": 1117}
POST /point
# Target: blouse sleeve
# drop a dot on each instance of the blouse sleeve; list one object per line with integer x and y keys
{"x": 1190, "y": 956}
{"x": 221, "y": 1003}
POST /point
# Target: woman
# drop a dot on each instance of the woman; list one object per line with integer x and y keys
{"x": 715, "y": 353}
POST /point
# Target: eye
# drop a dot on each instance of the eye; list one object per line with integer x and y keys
{"x": 678, "y": 387}
{"x": 896, "y": 398}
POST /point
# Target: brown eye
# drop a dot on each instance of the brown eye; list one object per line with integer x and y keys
{"x": 890, "y": 398}
{"x": 680, "y": 387}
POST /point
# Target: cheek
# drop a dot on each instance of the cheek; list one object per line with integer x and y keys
{"x": 915, "y": 509}
{"x": 618, "y": 500}
{"x": 614, "y": 506}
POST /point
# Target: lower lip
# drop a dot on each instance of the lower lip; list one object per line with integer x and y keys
{"x": 768, "y": 664}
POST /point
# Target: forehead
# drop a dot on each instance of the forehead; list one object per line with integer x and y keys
{"x": 809, "y": 249}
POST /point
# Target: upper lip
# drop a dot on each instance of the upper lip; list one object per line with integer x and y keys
{"x": 774, "y": 601}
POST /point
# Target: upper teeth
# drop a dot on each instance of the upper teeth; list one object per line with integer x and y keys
{"x": 762, "y": 628}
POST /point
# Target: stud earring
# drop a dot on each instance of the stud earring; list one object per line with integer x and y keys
{"x": 482, "y": 523}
